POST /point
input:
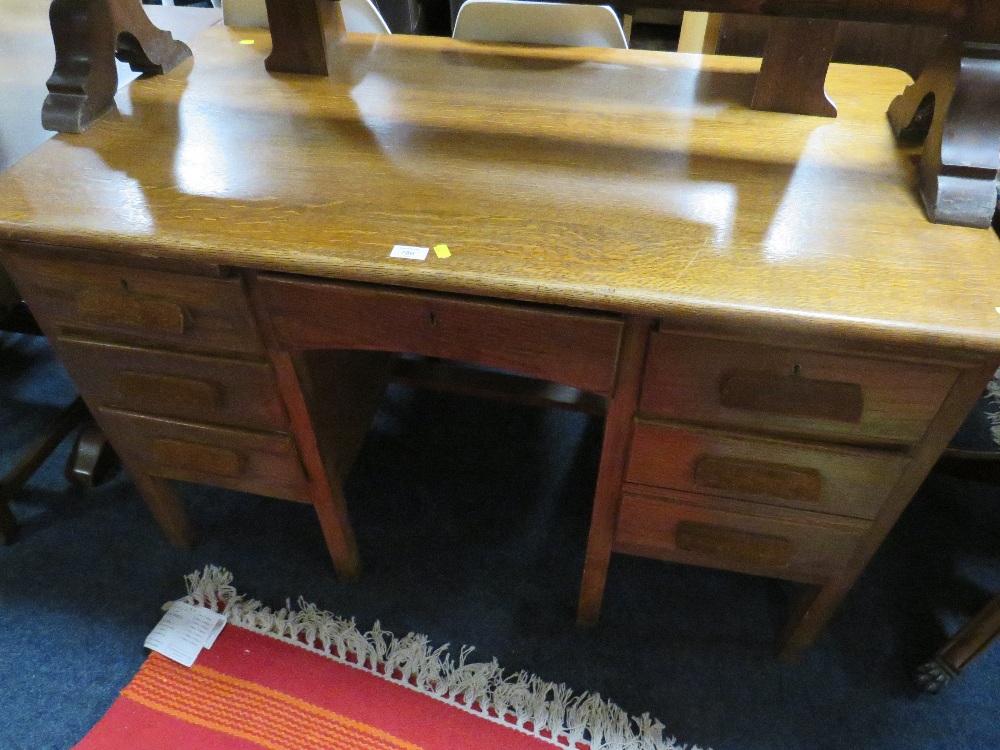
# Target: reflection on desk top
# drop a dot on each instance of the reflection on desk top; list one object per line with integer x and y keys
{"x": 609, "y": 179}
{"x": 27, "y": 55}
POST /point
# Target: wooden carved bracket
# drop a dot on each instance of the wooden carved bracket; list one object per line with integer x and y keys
{"x": 793, "y": 71}
{"x": 88, "y": 36}
{"x": 300, "y": 32}
{"x": 954, "y": 108}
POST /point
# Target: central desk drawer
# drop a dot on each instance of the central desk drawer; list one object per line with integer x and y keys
{"x": 265, "y": 463}
{"x": 578, "y": 349}
{"x": 794, "y": 545}
{"x": 142, "y": 306}
{"x": 827, "y": 479}
{"x": 717, "y": 381}
{"x": 184, "y": 386}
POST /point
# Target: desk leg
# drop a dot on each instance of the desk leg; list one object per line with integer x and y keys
{"x": 607, "y": 497}
{"x": 818, "y": 605}
{"x": 325, "y": 487}
{"x": 165, "y": 506}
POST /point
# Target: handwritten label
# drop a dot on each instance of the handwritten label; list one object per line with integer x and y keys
{"x": 184, "y": 631}
{"x": 409, "y": 252}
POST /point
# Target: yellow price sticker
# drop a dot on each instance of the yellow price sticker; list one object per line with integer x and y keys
{"x": 442, "y": 251}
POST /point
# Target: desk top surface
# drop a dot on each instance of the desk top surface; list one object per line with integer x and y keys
{"x": 618, "y": 180}
{"x": 27, "y": 56}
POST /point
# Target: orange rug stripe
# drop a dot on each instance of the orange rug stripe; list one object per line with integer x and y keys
{"x": 251, "y": 712}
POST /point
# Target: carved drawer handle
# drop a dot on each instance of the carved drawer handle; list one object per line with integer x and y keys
{"x": 791, "y": 395}
{"x": 130, "y": 311}
{"x": 720, "y": 541}
{"x": 155, "y": 391}
{"x": 759, "y": 478}
{"x": 209, "y": 459}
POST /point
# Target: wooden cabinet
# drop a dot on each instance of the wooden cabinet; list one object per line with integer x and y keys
{"x": 174, "y": 369}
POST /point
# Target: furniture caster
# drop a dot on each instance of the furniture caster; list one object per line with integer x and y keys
{"x": 92, "y": 460}
{"x": 933, "y": 675}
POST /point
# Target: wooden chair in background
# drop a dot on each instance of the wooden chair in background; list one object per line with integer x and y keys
{"x": 91, "y": 457}
{"x": 529, "y": 22}
{"x": 974, "y": 454}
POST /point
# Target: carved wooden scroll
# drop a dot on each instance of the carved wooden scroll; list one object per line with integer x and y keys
{"x": 88, "y": 35}
{"x": 954, "y": 107}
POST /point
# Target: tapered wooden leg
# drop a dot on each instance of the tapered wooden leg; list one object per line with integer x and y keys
{"x": 793, "y": 72}
{"x": 87, "y": 35}
{"x": 809, "y": 617}
{"x": 953, "y": 107}
{"x": 325, "y": 484}
{"x": 966, "y": 645}
{"x": 166, "y": 508}
{"x": 607, "y": 496}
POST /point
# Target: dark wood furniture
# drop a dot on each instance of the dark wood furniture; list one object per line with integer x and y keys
{"x": 973, "y": 455}
{"x": 783, "y": 343}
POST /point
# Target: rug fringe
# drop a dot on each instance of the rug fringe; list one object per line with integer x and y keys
{"x": 546, "y": 710}
{"x": 993, "y": 389}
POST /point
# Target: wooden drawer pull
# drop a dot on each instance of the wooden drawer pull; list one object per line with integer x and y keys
{"x": 157, "y": 392}
{"x": 791, "y": 395}
{"x": 758, "y": 478}
{"x": 126, "y": 310}
{"x": 720, "y": 541}
{"x": 209, "y": 459}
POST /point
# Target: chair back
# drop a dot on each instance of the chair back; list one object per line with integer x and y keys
{"x": 360, "y": 16}
{"x": 523, "y": 22}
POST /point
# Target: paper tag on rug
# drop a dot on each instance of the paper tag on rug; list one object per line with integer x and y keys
{"x": 184, "y": 631}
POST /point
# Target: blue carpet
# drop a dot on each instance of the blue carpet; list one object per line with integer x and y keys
{"x": 472, "y": 519}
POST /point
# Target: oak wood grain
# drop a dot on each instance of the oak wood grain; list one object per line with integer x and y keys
{"x": 852, "y": 398}
{"x": 694, "y": 205}
{"x": 264, "y": 463}
{"x": 570, "y": 347}
{"x": 214, "y": 390}
{"x": 813, "y": 476}
{"x": 669, "y": 526}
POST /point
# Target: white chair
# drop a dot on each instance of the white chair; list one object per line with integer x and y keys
{"x": 360, "y": 16}
{"x": 560, "y": 24}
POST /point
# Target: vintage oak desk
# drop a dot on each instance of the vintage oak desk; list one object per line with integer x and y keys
{"x": 785, "y": 344}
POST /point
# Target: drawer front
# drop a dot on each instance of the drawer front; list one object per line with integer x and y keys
{"x": 766, "y": 387}
{"x": 264, "y": 463}
{"x": 573, "y": 348}
{"x": 137, "y": 305}
{"x": 802, "y": 547}
{"x": 827, "y": 479}
{"x": 184, "y": 386}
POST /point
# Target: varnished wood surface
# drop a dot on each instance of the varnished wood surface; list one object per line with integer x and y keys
{"x": 27, "y": 56}
{"x": 621, "y": 180}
